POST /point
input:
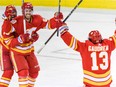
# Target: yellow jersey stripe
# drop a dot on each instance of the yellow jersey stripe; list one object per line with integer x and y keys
{"x": 71, "y": 43}
{"x": 96, "y": 75}
{"x": 98, "y": 83}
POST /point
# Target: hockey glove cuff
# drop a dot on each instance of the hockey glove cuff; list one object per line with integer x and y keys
{"x": 63, "y": 29}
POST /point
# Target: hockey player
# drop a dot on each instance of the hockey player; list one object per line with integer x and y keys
{"x": 6, "y": 33}
{"x": 95, "y": 53}
{"x": 22, "y": 50}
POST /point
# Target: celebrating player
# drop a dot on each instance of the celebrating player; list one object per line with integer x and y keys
{"x": 6, "y": 33}
{"x": 22, "y": 49}
{"x": 95, "y": 53}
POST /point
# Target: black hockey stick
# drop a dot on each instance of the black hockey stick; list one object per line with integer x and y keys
{"x": 56, "y": 29}
{"x": 59, "y": 5}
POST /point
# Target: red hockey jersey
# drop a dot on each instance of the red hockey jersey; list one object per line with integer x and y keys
{"x": 37, "y": 22}
{"x": 7, "y": 33}
{"x": 95, "y": 59}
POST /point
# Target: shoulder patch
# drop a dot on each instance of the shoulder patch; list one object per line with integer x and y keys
{"x": 13, "y": 21}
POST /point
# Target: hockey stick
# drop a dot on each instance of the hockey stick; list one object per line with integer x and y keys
{"x": 24, "y": 22}
{"x": 58, "y": 13}
{"x": 56, "y": 29}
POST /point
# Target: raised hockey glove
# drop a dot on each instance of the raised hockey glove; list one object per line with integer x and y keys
{"x": 55, "y": 24}
{"x": 6, "y": 15}
{"x": 56, "y": 21}
{"x": 58, "y": 16}
{"x": 10, "y": 12}
{"x": 34, "y": 37}
{"x": 23, "y": 38}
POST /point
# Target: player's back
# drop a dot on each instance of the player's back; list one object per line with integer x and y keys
{"x": 96, "y": 62}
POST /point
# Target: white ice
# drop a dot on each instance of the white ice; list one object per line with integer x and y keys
{"x": 60, "y": 65}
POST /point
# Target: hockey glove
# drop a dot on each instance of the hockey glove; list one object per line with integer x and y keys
{"x": 6, "y": 15}
{"x": 55, "y": 24}
{"x": 9, "y": 13}
{"x": 34, "y": 37}
{"x": 56, "y": 21}
{"x": 58, "y": 16}
{"x": 23, "y": 38}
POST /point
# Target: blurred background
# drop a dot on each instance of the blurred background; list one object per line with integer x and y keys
{"x": 102, "y": 4}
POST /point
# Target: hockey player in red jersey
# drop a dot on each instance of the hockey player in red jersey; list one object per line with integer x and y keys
{"x": 6, "y": 33}
{"x": 95, "y": 53}
{"x": 22, "y": 49}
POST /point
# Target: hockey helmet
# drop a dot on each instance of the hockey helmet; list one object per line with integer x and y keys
{"x": 10, "y": 11}
{"x": 26, "y": 5}
{"x": 95, "y": 36}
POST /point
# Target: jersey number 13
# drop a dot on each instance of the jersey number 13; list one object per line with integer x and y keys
{"x": 103, "y": 56}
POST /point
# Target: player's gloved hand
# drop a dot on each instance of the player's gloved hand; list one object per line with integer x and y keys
{"x": 64, "y": 28}
{"x": 34, "y": 36}
{"x": 56, "y": 21}
{"x": 7, "y": 14}
{"x": 58, "y": 16}
{"x": 23, "y": 38}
